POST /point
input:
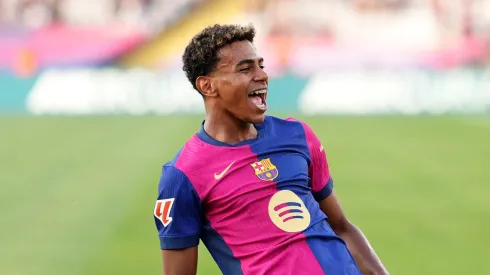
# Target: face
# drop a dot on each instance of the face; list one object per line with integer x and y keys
{"x": 240, "y": 83}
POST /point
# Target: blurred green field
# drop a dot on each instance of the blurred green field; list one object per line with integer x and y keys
{"x": 77, "y": 194}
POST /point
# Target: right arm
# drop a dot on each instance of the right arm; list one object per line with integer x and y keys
{"x": 180, "y": 261}
{"x": 178, "y": 218}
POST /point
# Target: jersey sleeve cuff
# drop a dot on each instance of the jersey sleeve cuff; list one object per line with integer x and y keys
{"x": 325, "y": 191}
{"x": 179, "y": 242}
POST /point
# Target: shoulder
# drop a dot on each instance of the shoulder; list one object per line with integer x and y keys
{"x": 296, "y": 129}
{"x": 305, "y": 125}
{"x": 284, "y": 121}
{"x": 172, "y": 176}
{"x": 190, "y": 157}
{"x": 289, "y": 124}
{"x": 175, "y": 173}
{"x": 278, "y": 120}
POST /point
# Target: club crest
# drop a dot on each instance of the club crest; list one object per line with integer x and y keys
{"x": 265, "y": 170}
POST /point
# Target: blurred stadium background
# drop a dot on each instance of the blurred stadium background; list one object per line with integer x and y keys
{"x": 93, "y": 100}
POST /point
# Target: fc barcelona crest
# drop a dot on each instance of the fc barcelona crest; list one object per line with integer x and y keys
{"x": 265, "y": 170}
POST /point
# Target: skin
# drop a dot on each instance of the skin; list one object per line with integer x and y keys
{"x": 230, "y": 114}
{"x": 364, "y": 255}
{"x": 230, "y": 118}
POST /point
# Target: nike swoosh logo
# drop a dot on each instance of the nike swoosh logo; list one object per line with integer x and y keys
{"x": 321, "y": 148}
{"x": 219, "y": 176}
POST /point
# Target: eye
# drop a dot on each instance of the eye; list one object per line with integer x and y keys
{"x": 245, "y": 70}
{"x": 262, "y": 66}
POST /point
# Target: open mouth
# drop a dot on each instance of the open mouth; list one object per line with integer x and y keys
{"x": 258, "y": 98}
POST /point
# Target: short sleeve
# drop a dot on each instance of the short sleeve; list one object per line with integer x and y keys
{"x": 177, "y": 212}
{"x": 321, "y": 181}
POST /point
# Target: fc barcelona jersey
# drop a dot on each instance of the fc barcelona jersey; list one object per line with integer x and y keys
{"x": 254, "y": 204}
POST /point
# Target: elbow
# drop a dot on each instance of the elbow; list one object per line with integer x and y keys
{"x": 342, "y": 227}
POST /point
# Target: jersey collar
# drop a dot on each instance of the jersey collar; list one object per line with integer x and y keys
{"x": 202, "y": 135}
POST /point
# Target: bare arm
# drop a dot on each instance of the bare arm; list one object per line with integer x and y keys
{"x": 180, "y": 262}
{"x": 358, "y": 245}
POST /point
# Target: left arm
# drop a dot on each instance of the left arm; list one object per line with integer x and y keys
{"x": 357, "y": 243}
{"x": 322, "y": 189}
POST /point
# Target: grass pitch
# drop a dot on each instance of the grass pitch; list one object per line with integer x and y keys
{"x": 77, "y": 193}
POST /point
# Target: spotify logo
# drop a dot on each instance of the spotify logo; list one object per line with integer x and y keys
{"x": 288, "y": 212}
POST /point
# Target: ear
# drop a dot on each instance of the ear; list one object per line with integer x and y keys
{"x": 206, "y": 86}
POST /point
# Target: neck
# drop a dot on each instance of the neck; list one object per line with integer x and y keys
{"x": 228, "y": 129}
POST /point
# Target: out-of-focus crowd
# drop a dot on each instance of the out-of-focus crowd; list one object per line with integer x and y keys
{"x": 309, "y": 35}
{"x": 376, "y": 21}
{"x": 148, "y": 14}
{"x": 380, "y": 20}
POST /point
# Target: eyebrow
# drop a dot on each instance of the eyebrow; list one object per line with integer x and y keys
{"x": 248, "y": 61}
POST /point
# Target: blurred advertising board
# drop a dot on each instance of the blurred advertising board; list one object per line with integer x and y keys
{"x": 410, "y": 92}
{"x": 352, "y": 92}
{"x": 13, "y": 93}
{"x": 135, "y": 92}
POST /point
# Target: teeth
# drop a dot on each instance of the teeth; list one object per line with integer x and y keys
{"x": 263, "y": 91}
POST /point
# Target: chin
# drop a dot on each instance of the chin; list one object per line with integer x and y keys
{"x": 257, "y": 118}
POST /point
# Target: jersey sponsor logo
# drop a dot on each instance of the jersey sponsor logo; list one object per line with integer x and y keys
{"x": 288, "y": 212}
{"x": 219, "y": 176}
{"x": 265, "y": 170}
{"x": 162, "y": 210}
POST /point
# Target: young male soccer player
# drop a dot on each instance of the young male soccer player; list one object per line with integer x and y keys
{"x": 255, "y": 189}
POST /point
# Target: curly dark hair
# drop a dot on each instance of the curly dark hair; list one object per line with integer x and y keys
{"x": 201, "y": 55}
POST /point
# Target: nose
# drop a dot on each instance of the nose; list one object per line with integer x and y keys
{"x": 261, "y": 75}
